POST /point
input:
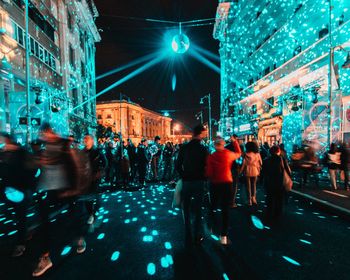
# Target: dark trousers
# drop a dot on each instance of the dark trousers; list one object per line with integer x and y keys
{"x": 142, "y": 168}
{"x": 155, "y": 163}
{"x": 192, "y": 194}
{"x": 234, "y": 187}
{"x": 220, "y": 196}
{"x": 21, "y": 218}
{"x": 275, "y": 201}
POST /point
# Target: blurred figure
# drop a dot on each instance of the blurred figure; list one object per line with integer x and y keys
{"x": 264, "y": 153}
{"x": 345, "y": 163}
{"x": 333, "y": 163}
{"x": 218, "y": 171}
{"x": 191, "y": 167}
{"x": 98, "y": 164}
{"x": 283, "y": 151}
{"x": 168, "y": 153}
{"x": 16, "y": 172}
{"x": 125, "y": 169}
{"x": 251, "y": 168}
{"x": 273, "y": 169}
{"x": 142, "y": 160}
{"x": 232, "y": 146}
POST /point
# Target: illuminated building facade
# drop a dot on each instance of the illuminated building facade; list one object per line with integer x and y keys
{"x": 137, "y": 122}
{"x": 62, "y": 35}
{"x": 275, "y": 80}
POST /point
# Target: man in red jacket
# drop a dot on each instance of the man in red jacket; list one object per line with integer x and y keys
{"x": 218, "y": 171}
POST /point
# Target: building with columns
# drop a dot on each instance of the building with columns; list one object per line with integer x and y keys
{"x": 62, "y": 36}
{"x": 136, "y": 122}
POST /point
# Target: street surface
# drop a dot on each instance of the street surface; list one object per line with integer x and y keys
{"x": 140, "y": 236}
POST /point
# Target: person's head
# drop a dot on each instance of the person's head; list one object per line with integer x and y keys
{"x": 251, "y": 147}
{"x": 89, "y": 142}
{"x": 266, "y": 144}
{"x": 199, "y": 132}
{"x": 233, "y": 138}
{"x": 275, "y": 150}
{"x": 282, "y": 146}
{"x": 219, "y": 144}
{"x": 168, "y": 144}
{"x": 157, "y": 139}
{"x": 144, "y": 142}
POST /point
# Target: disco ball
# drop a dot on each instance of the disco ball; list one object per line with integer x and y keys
{"x": 180, "y": 43}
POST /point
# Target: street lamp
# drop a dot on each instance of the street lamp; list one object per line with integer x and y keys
{"x": 209, "y": 108}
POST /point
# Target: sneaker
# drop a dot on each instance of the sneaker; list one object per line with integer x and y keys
{"x": 91, "y": 220}
{"x": 18, "y": 251}
{"x": 223, "y": 240}
{"x": 43, "y": 265}
{"x": 250, "y": 202}
{"x": 81, "y": 247}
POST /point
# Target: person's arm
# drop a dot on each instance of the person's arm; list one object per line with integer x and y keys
{"x": 237, "y": 151}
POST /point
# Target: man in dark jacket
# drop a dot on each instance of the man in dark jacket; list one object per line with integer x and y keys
{"x": 132, "y": 158}
{"x": 168, "y": 154}
{"x": 234, "y": 169}
{"x": 191, "y": 167}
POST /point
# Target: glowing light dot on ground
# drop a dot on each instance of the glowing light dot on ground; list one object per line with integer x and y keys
{"x": 180, "y": 43}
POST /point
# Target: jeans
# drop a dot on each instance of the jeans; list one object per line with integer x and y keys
{"x": 220, "y": 196}
{"x": 195, "y": 190}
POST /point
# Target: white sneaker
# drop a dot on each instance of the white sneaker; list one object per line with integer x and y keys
{"x": 43, "y": 265}
{"x": 18, "y": 251}
{"x": 223, "y": 240}
{"x": 91, "y": 220}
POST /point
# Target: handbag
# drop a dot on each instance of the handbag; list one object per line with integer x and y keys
{"x": 287, "y": 180}
{"x": 177, "y": 194}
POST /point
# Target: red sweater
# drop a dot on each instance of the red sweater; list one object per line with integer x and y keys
{"x": 219, "y": 164}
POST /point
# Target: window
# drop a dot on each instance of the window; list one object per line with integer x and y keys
{"x": 41, "y": 53}
{"x": 254, "y": 109}
{"x": 20, "y": 36}
{"x": 271, "y": 102}
{"x": 323, "y": 32}
{"x": 31, "y": 43}
{"x": 266, "y": 71}
{"x": 109, "y": 116}
{"x": 82, "y": 66}
{"x": 99, "y": 117}
{"x": 36, "y": 49}
{"x": 71, "y": 57}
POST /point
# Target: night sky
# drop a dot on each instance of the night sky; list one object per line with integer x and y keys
{"x": 124, "y": 40}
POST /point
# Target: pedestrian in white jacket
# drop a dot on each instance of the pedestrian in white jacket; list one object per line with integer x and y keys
{"x": 251, "y": 168}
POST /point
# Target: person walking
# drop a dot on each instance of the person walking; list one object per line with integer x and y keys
{"x": 345, "y": 163}
{"x": 59, "y": 173}
{"x": 218, "y": 171}
{"x": 273, "y": 171}
{"x": 132, "y": 159}
{"x": 190, "y": 165}
{"x": 156, "y": 158}
{"x": 233, "y": 147}
{"x": 251, "y": 168}
{"x": 334, "y": 164}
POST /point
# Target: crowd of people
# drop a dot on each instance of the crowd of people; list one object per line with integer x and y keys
{"x": 64, "y": 171}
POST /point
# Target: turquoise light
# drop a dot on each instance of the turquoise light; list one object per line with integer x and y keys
{"x": 167, "y": 245}
{"x": 127, "y": 221}
{"x": 305, "y": 241}
{"x": 288, "y": 259}
{"x": 180, "y": 43}
{"x": 154, "y": 232}
{"x": 66, "y": 250}
{"x": 143, "y": 229}
{"x": 151, "y": 268}
{"x": 14, "y": 195}
{"x": 257, "y": 222}
{"x": 225, "y": 276}
{"x": 164, "y": 262}
{"x": 38, "y": 172}
{"x": 170, "y": 259}
{"x": 12, "y": 232}
{"x": 100, "y": 236}
{"x": 147, "y": 238}
{"x": 115, "y": 256}
{"x": 214, "y": 237}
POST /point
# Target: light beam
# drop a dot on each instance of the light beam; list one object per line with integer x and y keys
{"x": 205, "y": 61}
{"x": 123, "y": 80}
